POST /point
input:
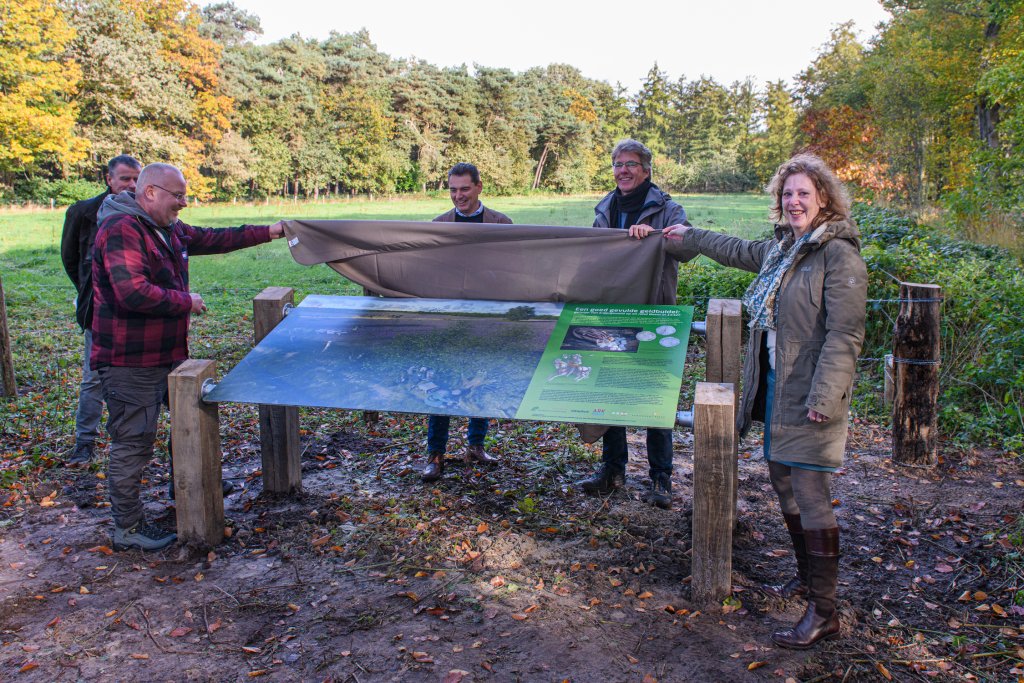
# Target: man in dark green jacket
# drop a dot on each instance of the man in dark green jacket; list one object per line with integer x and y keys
{"x": 76, "y": 252}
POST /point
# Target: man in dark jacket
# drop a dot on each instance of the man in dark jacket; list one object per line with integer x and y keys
{"x": 76, "y": 252}
{"x": 142, "y": 306}
{"x": 637, "y": 201}
{"x": 464, "y": 186}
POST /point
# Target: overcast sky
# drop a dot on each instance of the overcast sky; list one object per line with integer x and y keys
{"x": 614, "y": 42}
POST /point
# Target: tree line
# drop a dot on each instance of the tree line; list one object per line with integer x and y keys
{"x": 929, "y": 111}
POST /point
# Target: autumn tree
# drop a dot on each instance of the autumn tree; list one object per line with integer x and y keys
{"x": 37, "y": 81}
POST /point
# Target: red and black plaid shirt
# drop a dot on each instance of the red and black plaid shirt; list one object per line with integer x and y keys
{"x": 141, "y": 304}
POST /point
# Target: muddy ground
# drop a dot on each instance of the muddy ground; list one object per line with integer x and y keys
{"x": 506, "y": 573}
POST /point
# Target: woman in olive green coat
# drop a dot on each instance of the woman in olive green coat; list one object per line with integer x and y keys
{"x": 806, "y": 308}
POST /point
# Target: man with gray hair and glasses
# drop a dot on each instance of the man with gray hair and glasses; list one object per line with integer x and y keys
{"x": 637, "y": 201}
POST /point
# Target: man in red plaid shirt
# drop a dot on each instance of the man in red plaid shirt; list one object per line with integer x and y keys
{"x": 141, "y": 310}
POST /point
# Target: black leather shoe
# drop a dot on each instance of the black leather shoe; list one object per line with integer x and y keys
{"x": 604, "y": 482}
{"x": 477, "y": 454}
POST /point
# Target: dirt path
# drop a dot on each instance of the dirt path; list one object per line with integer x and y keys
{"x": 507, "y": 574}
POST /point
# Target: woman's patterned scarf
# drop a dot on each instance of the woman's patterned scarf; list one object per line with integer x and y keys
{"x": 760, "y": 297}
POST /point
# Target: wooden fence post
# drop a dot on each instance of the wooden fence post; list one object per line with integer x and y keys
{"x": 714, "y": 486}
{"x": 8, "y": 386}
{"x": 916, "y": 349}
{"x": 724, "y": 331}
{"x": 279, "y": 425}
{"x": 723, "y": 362}
{"x": 195, "y": 439}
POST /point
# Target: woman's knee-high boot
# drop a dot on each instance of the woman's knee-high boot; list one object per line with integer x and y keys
{"x": 821, "y": 620}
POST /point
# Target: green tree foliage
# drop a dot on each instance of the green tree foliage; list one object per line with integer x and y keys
{"x": 150, "y": 83}
{"x": 929, "y": 112}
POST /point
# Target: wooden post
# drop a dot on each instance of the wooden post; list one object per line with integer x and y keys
{"x": 723, "y": 360}
{"x": 195, "y": 439}
{"x": 724, "y": 332}
{"x": 8, "y": 386}
{"x": 714, "y": 486}
{"x": 916, "y": 348}
{"x": 279, "y": 425}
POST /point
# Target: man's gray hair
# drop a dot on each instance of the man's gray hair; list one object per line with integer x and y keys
{"x": 154, "y": 174}
{"x": 637, "y": 148}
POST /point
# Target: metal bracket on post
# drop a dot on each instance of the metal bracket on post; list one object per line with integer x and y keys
{"x": 286, "y": 309}
{"x": 684, "y": 418}
{"x": 208, "y": 385}
{"x": 699, "y": 328}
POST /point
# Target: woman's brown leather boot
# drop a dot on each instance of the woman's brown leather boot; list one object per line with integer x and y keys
{"x": 821, "y": 620}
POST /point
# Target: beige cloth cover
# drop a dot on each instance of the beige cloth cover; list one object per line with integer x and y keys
{"x": 484, "y": 261}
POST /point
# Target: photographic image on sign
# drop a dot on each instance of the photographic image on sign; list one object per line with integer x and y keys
{"x": 469, "y": 358}
{"x": 590, "y": 338}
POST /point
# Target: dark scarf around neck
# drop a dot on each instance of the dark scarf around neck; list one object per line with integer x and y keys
{"x": 625, "y": 209}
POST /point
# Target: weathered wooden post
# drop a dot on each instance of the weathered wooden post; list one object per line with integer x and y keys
{"x": 8, "y": 387}
{"x": 724, "y": 332}
{"x": 195, "y": 439}
{"x": 714, "y": 491}
{"x": 279, "y": 425}
{"x": 916, "y": 349}
{"x": 723, "y": 361}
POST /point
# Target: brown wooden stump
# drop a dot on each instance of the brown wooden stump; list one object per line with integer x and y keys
{"x": 916, "y": 349}
{"x": 8, "y": 386}
{"x": 195, "y": 438}
{"x": 714, "y": 484}
{"x": 279, "y": 425}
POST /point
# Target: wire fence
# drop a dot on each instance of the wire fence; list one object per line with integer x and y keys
{"x": 60, "y": 359}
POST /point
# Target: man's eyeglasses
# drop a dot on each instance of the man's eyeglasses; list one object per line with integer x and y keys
{"x": 180, "y": 196}
{"x": 628, "y": 164}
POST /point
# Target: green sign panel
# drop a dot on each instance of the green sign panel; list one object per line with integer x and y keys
{"x": 611, "y": 364}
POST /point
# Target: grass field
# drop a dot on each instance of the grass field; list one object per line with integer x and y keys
{"x": 40, "y": 298}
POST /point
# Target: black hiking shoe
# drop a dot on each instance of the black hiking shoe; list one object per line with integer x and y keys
{"x": 660, "y": 493}
{"x": 82, "y": 456}
{"x": 604, "y": 482}
{"x": 145, "y": 537}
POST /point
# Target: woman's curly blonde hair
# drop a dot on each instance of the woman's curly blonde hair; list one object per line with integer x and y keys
{"x": 830, "y": 188}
